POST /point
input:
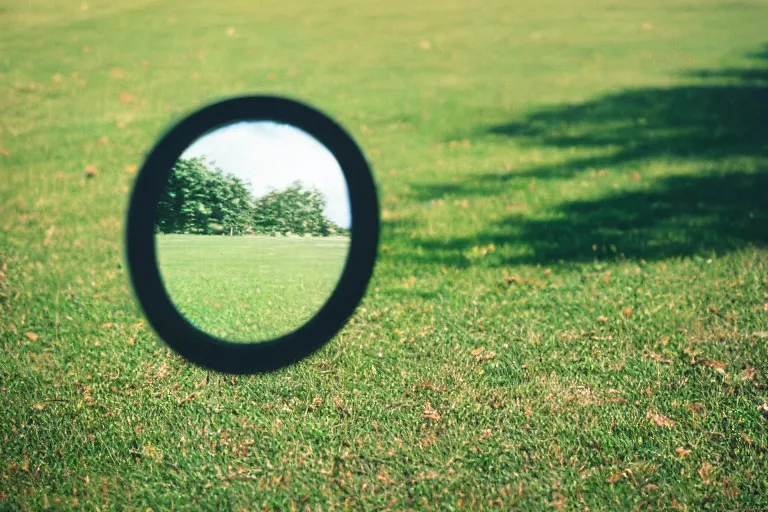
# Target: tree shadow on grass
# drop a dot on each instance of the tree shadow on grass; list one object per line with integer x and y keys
{"x": 702, "y": 121}
{"x": 680, "y": 216}
{"x": 752, "y": 74}
{"x": 722, "y": 124}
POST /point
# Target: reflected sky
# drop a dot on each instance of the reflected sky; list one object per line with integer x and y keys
{"x": 269, "y": 156}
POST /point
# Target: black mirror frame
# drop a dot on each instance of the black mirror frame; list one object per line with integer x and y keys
{"x": 170, "y": 325}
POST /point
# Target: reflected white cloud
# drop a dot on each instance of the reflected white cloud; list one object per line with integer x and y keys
{"x": 268, "y": 156}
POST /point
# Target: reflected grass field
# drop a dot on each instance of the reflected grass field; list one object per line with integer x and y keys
{"x": 250, "y": 288}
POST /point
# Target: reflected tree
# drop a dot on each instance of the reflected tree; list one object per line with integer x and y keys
{"x": 199, "y": 199}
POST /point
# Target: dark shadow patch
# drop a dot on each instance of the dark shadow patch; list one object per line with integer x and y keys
{"x": 683, "y": 215}
{"x": 680, "y": 216}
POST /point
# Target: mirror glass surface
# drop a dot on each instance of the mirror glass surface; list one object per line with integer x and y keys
{"x": 253, "y": 230}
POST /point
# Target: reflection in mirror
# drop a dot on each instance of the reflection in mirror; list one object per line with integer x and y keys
{"x": 253, "y": 230}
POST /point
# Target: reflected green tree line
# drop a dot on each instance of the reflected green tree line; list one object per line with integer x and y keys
{"x": 203, "y": 199}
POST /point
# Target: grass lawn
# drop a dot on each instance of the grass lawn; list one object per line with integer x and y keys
{"x": 569, "y": 311}
{"x": 250, "y": 288}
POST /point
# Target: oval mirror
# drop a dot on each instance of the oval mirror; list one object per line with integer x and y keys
{"x": 253, "y": 230}
{"x": 252, "y": 233}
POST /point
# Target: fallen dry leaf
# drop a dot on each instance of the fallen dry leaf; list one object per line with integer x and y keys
{"x": 130, "y": 169}
{"x": 486, "y": 356}
{"x": 659, "y": 419}
{"x": 151, "y": 451}
{"x": 635, "y": 176}
{"x": 231, "y": 31}
{"x": 424, "y": 45}
{"x": 627, "y": 312}
{"x": 660, "y": 358}
{"x": 38, "y": 407}
{"x": 484, "y": 250}
{"x": 315, "y": 403}
{"x": 48, "y": 234}
{"x": 559, "y": 502}
{"x": 705, "y": 472}
{"x": 712, "y": 364}
{"x": 477, "y": 351}
{"x": 463, "y": 203}
{"x": 763, "y": 408}
{"x": 430, "y": 413}
{"x": 31, "y": 336}
{"x": 127, "y": 97}
{"x": 717, "y": 365}
{"x": 693, "y": 352}
{"x": 162, "y": 371}
{"x": 602, "y": 319}
{"x": 103, "y": 140}
{"x": 749, "y": 373}
{"x": 340, "y": 406}
{"x": 90, "y": 171}
{"x": 4, "y": 151}
{"x": 612, "y": 479}
{"x": 383, "y": 476}
{"x": 682, "y": 452}
{"x": 649, "y": 488}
